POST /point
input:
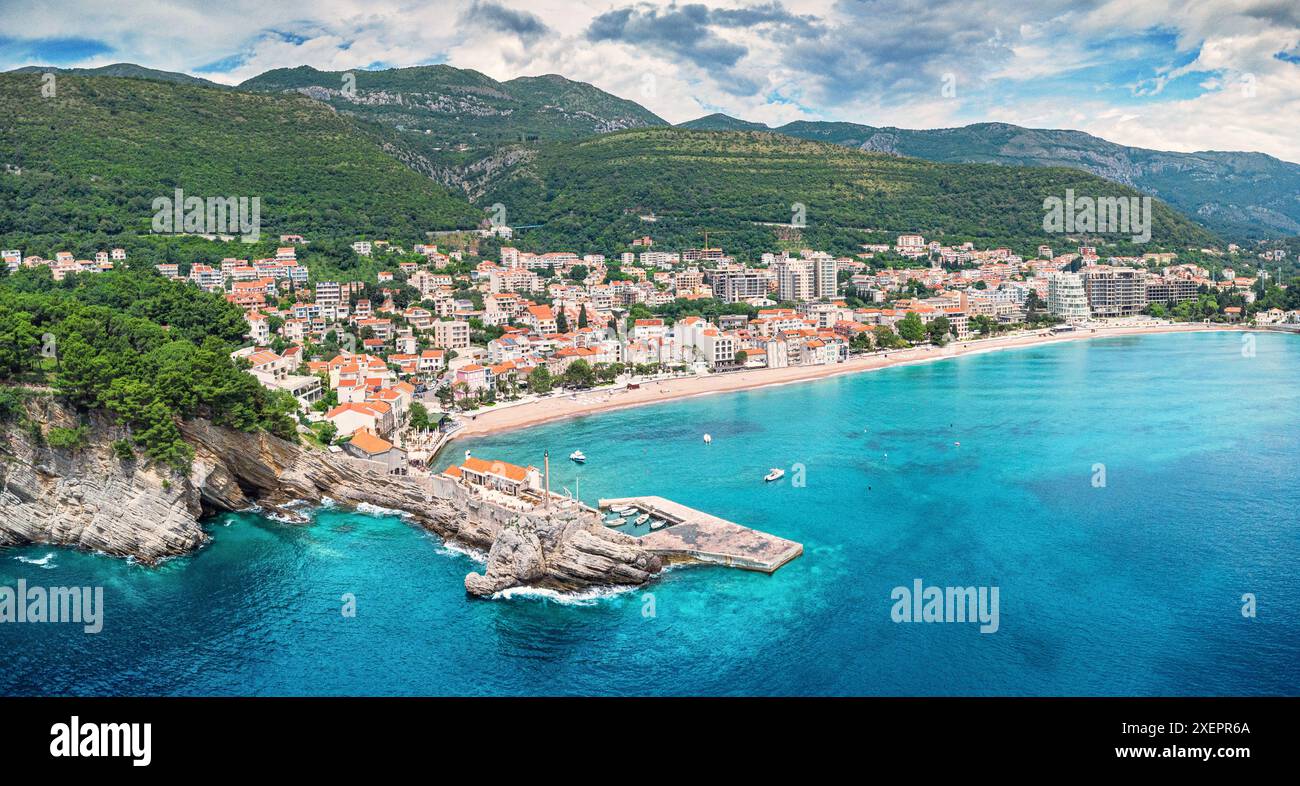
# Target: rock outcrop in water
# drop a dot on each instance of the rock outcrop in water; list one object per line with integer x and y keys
{"x": 567, "y": 549}
{"x": 91, "y": 498}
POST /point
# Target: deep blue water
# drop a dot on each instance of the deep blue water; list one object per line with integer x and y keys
{"x": 1134, "y": 588}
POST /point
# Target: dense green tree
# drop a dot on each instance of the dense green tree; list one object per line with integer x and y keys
{"x": 148, "y": 350}
{"x": 539, "y": 380}
{"x": 1034, "y": 306}
{"x": 983, "y": 325}
{"x": 938, "y": 330}
{"x": 887, "y": 338}
{"x": 579, "y": 374}
{"x": 420, "y": 417}
{"x": 911, "y": 328}
{"x": 20, "y": 342}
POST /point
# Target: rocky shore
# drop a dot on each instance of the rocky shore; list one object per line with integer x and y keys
{"x": 90, "y": 498}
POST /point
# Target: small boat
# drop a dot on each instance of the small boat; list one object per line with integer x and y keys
{"x": 620, "y": 508}
{"x": 775, "y": 474}
{"x": 657, "y": 523}
{"x": 708, "y": 440}
{"x": 615, "y": 521}
{"x": 577, "y": 457}
{"x": 643, "y": 518}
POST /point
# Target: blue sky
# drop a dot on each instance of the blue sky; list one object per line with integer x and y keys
{"x": 56, "y": 51}
{"x": 1185, "y": 75}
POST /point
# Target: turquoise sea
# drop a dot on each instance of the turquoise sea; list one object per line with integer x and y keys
{"x": 1133, "y": 586}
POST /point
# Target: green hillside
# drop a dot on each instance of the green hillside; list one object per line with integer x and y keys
{"x": 126, "y": 70}
{"x": 596, "y": 194}
{"x": 1244, "y": 196}
{"x": 93, "y": 159}
{"x": 720, "y": 122}
{"x": 457, "y": 126}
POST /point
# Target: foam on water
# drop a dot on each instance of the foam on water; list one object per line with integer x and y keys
{"x": 588, "y": 597}
{"x": 46, "y": 561}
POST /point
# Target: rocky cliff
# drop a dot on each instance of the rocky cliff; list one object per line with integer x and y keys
{"x": 89, "y": 497}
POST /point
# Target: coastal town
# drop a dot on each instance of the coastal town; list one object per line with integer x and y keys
{"x": 386, "y": 370}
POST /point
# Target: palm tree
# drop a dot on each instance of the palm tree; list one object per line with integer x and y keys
{"x": 460, "y": 391}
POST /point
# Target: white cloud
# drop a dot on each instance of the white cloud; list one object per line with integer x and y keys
{"x": 877, "y": 62}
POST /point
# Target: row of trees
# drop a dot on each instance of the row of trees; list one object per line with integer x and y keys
{"x": 579, "y": 375}
{"x": 1212, "y": 304}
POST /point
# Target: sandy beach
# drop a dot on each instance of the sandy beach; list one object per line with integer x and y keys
{"x": 566, "y": 405}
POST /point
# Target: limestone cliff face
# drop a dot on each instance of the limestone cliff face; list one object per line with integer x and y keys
{"x": 233, "y": 470}
{"x": 90, "y": 498}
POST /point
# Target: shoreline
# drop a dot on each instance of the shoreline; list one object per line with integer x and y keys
{"x": 598, "y": 400}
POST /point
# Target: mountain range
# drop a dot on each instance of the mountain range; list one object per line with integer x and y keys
{"x": 1240, "y": 195}
{"x": 463, "y": 107}
{"x": 128, "y": 70}
{"x": 458, "y": 126}
{"x": 473, "y": 135}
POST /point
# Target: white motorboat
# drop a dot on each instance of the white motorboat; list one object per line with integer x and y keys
{"x": 657, "y": 523}
{"x": 708, "y": 440}
{"x": 577, "y": 457}
{"x": 643, "y": 518}
{"x": 620, "y": 509}
{"x": 775, "y": 474}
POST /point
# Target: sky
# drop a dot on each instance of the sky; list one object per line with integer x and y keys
{"x": 1162, "y": 74}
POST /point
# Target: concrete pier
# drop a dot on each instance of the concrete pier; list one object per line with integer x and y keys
{"x": 696, "y": 535}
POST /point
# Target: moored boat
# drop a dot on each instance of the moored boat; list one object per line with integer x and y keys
{"x": 577, "y": 457}
{"x": 775, "y": 474}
